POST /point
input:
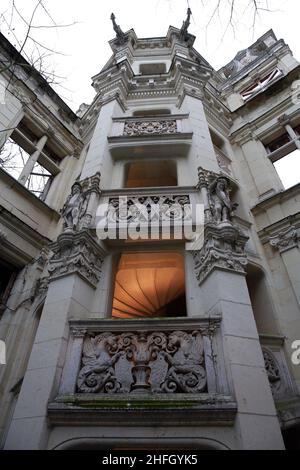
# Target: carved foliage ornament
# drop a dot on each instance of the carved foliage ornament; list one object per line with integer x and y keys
{"x": 76, "y": 252}
{"x": 136, "y": 128}
{"x": 272, "y": 372}
{"x": 286, "y": 239}
{"x": 139, "y": 362}
{"x": 223, "y": 248}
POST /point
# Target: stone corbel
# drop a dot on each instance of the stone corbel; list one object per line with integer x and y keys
{"x": 285, "y": 240}
{"x": 76, "y": 252}
{"x": 224, "y": 248}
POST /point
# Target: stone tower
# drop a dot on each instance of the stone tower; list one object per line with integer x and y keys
{"x": 150, "y": 295}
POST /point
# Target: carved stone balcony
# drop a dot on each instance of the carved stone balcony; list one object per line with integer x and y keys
{"x": 162, "y": 130}
{"x": 117, "y": 367}
{"x": 150, "y": 209}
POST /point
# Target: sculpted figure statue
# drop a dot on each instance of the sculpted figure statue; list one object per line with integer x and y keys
{"x": 73, "y": 207}
{"x": 220, "y": 201}
{"x": 185, "y": 25}
{"x": 117, "y": 29}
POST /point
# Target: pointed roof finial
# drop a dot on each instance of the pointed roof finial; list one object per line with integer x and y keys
{"x": 117, "y": 29}
{"x": 184, "y": 28}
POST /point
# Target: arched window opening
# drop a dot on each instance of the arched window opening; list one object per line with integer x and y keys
{"x": 149, "y": 285}
{"x": 150, "y": 174}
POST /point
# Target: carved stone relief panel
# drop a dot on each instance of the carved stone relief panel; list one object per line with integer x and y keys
{"x": 141, "y": 362}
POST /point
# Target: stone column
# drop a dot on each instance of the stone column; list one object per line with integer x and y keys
{"x": 264, "y": 175}
{"x": 74, "y": 274}
{"x": 28, "y": 167}
{"x": 287, "y": 242}
{"x": 72, "y": 363}
{"x": 220, "y": 271}
{"x": 221, "y": 276}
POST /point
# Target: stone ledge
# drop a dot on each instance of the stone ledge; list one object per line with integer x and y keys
{"x": 147, "y": 137}
{"x": 144, "y": 410}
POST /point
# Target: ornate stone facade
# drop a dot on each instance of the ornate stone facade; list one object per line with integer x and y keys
{"x": 152, "y": 342}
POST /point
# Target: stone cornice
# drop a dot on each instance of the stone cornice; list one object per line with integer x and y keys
{"x": 10, "y": 223}
{"x": 161, "y": 117}
{"x": 177, "y": 136}
{"x": 276, "y": 198}
{"x": 13, "y": 183}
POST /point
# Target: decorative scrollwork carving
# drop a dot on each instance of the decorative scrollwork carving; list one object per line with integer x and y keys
{"x": 273, "y": 371}
{"x": 285, "y": 239}
{"x": 136, "y": 128}
{"x": 139, "y": 362}
{"x": 149, "y": 208}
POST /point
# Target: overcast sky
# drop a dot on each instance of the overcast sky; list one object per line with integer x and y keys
{"x": 85, "y": 48}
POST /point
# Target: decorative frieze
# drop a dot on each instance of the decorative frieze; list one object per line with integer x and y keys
{"x": 76, "y": 252}
{"x": 136, "y": 128}
{"x": 285, "y": 240}
{"x": 142, "y": 362}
